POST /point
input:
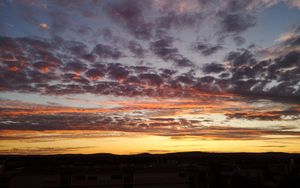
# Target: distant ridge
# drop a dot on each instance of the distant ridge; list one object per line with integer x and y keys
{"x": 173, "y": 154}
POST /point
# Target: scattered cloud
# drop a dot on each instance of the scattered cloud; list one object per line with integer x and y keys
{"x": 163, "y": 48}
{"x": 206, "y": 49}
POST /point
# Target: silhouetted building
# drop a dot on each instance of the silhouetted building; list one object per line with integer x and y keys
{"x": 151, "y": 171}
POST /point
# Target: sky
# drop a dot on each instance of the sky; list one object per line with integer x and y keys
{"x": 150, "y": 76}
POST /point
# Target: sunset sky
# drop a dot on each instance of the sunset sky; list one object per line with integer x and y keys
{"x": 156, "y": 76}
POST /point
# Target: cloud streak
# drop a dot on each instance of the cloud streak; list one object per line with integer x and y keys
{"x": 172, "y": 118}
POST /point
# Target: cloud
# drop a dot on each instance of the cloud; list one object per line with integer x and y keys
{"x": 240, "y": 58}
{"x": 179, "y": 21}
{"x": 130, "y": 13}
{"x": 59, "y": 66}
{"x": 290, "y": 39}
{"x": 136, "y": 49}
{"x": 165, "y": 117}
{"x": 164, "y": 49}
{"x": 106, "y": 51}
{"x": 206, "y": 49}
{"x": 234, "y": 24}
{"x": 187, "y": 79}
{"x": 231, "y": 17}
{"x": 95, "y": 73}
{"x": 152, "y": 79}
{"x": 40, "y": 150}
{"x": 75, "y": 66}
{"x": 293, "y": 114}
{"x": 250, "y": 76}
{"x": 178, "y": 6}
{"x": 45, "y": 67}
{"x": 71, "y": 77}
{"x": 117, "y": 71}
{"x": 74, "y": 47}
{"x": 213, "y": 68}
{"x": 239, "y": 40}
{"x": 293, "y": 3}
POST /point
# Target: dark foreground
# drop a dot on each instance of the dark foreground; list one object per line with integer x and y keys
{"x": 176, "y": 170}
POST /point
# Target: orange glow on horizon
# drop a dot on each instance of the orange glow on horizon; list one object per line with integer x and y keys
{"x": 164, "y": 122}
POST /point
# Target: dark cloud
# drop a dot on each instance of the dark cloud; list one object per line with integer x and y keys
{"x": 46, "y": 62}
{"x": 34, "y": 65}
{"x": 206, "y": 49}
{"x": 141, "y": 69}
{"x": 9, "y": 45}
{"x": 236, "y": 23}
{"x": 208, "y": 84}
{"x": 130, "y": 13}
{"x": 236, "y": 17}
{"x": 179, "y": 21}
{"x": 276, "y": 77}
{"x": 292, "y": 59}
{"x": 12, "y": 63}
{"x": 152, "y": 79}
{"x": 242, "y": 57}
{"x": 182, "y": 61}
{"x": 269, "y": 116}
{"x": 186, "y": 79}
{"x": 70, "y": 77}
{"x": 133, "y": 80}
{"x": 106, "y": 51}
{"x": 164, "y": 49}
{"x": 117, "y": 71}
{"x": 75, "y": 47}
{"x": 75, "y": 66}
{"x": 95, "y": 73}
{"x": 13, "y": 80}
{"x": 167, "y": 73}
{"x": 40, "y": 77}
{"x": 136, "y": 49}
{"x": 45, "y": 66}
{"x": 213, "y": 68}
